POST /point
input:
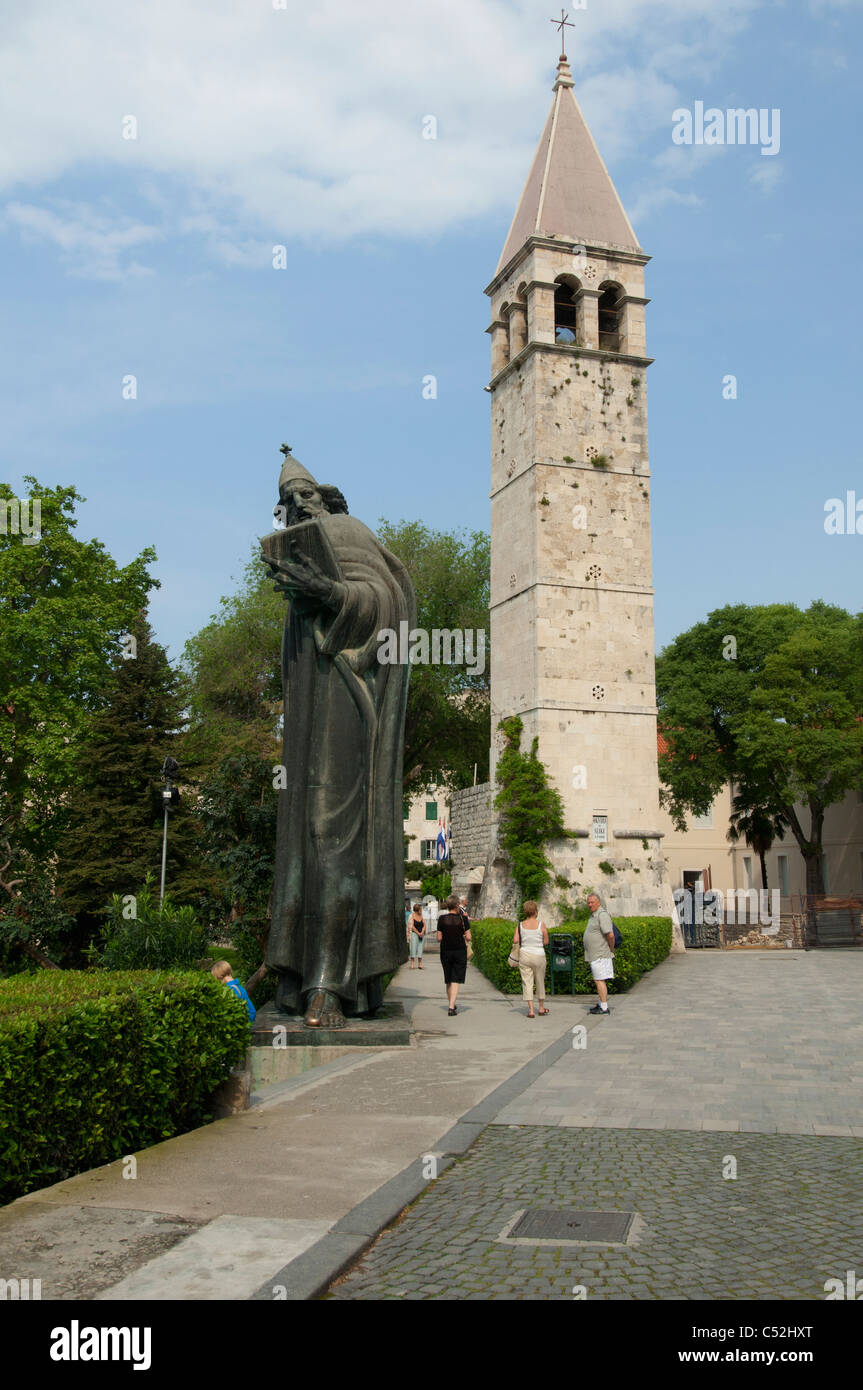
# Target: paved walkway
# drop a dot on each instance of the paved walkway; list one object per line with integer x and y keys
{"x": 770, "y": 1042}
{"x": 649, "y": 1117}
{"x": 490, "y": 1114}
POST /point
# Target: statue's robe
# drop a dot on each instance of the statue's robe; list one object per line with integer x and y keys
{"x": 337, "y": 911}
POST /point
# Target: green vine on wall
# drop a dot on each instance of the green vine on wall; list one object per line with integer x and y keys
{"x": 531, "y": 811}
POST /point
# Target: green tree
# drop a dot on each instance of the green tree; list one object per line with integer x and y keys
{"x": 113, "y": 837}
{"x": 770, "y": 698}
{"x": 448, "y": 724}
{"x": 64, "y": 605}
{"x": 237, "y": 810}
{"x": 234, "y": 675}
{"x": 531, "y": 811}
{"x": 434, "y": 879}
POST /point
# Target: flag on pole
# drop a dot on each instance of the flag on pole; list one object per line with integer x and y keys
{"x": 441, "y": 842}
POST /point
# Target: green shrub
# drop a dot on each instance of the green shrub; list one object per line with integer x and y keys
{"x": 646, "y": 942}
{"x": 155, "y": 938}
{"x": 492, "y": 942}
{"x": 96, "y": 1065}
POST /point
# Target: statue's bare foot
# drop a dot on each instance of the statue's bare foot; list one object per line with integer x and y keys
{"x": 324, "y": 1010}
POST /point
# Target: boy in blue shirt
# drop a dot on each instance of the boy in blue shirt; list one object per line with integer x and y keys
{"x": 222, "y": 971}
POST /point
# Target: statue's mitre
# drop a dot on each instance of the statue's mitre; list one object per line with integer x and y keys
{"x": 293, "y": 470}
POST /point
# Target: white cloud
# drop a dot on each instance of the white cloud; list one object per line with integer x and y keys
{"x": 91, "y": 243}
{"x": 307, "y": 122}
{"x": 766, "y": 175}
{"x": 655, "y": 199}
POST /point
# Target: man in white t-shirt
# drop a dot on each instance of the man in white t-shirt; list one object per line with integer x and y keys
{"x": 599, "y": 951}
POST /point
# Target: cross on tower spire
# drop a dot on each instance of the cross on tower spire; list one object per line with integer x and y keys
{"x": 562, "y": 24}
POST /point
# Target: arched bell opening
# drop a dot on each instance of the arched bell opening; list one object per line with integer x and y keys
{"x": 609, "y": 312}
{"x": 565, "y": 295}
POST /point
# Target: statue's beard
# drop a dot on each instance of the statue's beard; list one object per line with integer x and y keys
{"x": 297, "y": 514}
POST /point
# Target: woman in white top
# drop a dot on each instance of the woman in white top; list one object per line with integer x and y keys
{"x": 532, "y": 936}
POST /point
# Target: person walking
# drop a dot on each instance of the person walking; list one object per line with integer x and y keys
{"x": 417, "y": 928}
{"x": 453, "y": 934}
{"x": 599, "y": 951}
{"x": 532, "y": 936}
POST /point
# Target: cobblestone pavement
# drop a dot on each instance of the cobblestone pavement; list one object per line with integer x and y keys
{"x": 767, "y": 1042}
{"x": 791, "y": 1219}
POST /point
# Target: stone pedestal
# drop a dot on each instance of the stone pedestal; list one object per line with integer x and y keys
{"x": 232, "y": 1096}
{"x": 389, "y": 1027}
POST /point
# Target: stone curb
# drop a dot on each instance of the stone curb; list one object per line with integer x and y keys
{"x": 312, "y": 1273}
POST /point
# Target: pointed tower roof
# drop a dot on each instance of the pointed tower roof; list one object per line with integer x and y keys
{"x": 569, "y": 192}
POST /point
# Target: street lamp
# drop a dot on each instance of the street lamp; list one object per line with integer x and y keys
{"x": 170, "y": 797}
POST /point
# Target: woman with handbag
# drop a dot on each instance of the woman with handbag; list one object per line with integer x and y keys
{"x": 453, "y": 933}
{"x": 417, "y": 935}
{"x": 528, "y": 952}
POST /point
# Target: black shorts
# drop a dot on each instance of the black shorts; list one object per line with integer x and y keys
{"x": 454, "y": 965}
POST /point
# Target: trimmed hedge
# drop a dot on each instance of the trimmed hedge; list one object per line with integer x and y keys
{"x": 646, "y": 942}
{"x": 96, "y": 1065}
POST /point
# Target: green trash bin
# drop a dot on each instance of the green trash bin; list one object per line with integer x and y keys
{"x": 561, "y": 960}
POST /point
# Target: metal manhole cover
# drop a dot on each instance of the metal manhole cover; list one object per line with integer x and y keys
{"x": 564, "y": 1227}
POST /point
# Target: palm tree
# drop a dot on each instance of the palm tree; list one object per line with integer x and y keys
{"x": 758, "y": 825}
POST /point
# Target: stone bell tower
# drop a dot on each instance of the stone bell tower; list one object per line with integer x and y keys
{"x": 571, "y": 621}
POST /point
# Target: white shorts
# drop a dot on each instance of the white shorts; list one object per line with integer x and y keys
{"x": 602, "y": 968}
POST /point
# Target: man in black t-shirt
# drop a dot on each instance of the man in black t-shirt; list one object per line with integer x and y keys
{"x": 453, "y": 934}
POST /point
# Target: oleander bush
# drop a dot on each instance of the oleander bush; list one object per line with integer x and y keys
{"x": 95, "y": 1065}
{"x": 158, "y": 937}
{"x": 646, "y": 942}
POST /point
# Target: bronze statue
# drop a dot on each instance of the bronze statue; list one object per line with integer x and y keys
{"x": 337, "y": 911}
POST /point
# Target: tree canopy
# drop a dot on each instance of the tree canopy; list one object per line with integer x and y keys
{"x": 448, "y": 725}
{"x": 65, "y": 604}
{"x": 769, "y": 698}
{"x": 233, "y": 666}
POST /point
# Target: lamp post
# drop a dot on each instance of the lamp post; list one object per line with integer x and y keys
{"x": 170, "y": 797}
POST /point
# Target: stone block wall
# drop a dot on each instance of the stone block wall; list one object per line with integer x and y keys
{"x": 472, "y": 820}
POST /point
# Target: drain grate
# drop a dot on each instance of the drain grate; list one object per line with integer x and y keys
{"x": 571, "y": 1227}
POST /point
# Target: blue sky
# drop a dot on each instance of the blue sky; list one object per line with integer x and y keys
{"x": 302, "y": 127}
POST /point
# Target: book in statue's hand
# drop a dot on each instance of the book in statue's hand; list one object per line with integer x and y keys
{"x": 306, "y": 541}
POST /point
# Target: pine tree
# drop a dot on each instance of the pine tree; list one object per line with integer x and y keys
{"x": 114, "y": 831}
